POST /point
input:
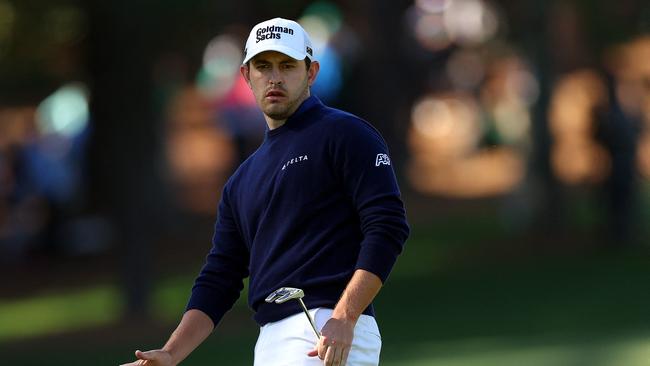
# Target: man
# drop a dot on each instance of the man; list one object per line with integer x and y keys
{"x": 316, "y": 207}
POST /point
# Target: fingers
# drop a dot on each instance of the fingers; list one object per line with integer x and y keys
{"x": 344, "y": 359}
{"x": 331, "y": 353}
{"x": 323, "y": 345}
{"x": 339, "y": 358}
{"x": 143, "y": 358}
{"x": 136, "y": 363}
{"x": 317, "y": 348}
{"x": 321, "y": 348}
{"x": 327, "y": 360}
{"x": 333, "y": 356}
{"x": 145, "y": 355}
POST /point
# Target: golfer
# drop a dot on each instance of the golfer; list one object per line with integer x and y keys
{"x": 316, "y": 207}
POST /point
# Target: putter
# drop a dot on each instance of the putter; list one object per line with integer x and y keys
{"x": 284, "y": 294}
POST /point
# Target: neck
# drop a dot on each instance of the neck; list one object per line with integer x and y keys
{"x": 275, "y": 123}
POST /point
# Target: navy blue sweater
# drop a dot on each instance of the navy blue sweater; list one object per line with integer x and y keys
{"x": 315, "y": 202}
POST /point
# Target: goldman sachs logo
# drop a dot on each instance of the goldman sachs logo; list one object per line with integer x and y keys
{"x": 272, "y": 32}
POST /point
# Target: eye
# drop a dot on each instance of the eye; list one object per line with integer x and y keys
{"x": 288, "y": 66}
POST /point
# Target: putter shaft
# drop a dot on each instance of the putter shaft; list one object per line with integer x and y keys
{"x": 311, "y": 321}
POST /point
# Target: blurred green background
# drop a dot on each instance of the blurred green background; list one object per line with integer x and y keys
{"x": 520, "y": 132}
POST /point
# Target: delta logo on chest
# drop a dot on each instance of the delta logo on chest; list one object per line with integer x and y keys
{"x": 295, "y": 160}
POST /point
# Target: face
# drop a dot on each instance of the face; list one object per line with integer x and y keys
{"x": 280, "y": 84}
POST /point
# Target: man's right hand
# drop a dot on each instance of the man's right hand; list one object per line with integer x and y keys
{"x": 195, "y": 327}
{"x": 151, "y": 358}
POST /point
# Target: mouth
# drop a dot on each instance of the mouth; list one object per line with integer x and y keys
{"x": 274, "y": 94}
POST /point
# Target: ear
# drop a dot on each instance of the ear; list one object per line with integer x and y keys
{"x": 314, "y": 67}
{"x": 245, "y": 72}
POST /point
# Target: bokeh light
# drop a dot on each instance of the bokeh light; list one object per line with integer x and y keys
{"x": 428, "y": 29}
{"x": 470, "y": 21}
{"x": 576, "y": 156}
{"x": 318, "y": 31}
{"x": 449, "y": 124}
{"x": 437, "y": 25}
{"x": 328, "y": 12}
{"x": 629, "y": 63}
{"x": 432, "y": 6}
{"x": 65, "y": 112}
{"x": 446, "y": 157}
{"x": 509, "y": 92}
{"x": 473, "y": 140}
{"x": 199, "y": 153}
{"x": 221, "y": 60}
{"x": 323, "y": 20}
{"x": 330, "y": 77}
{"x": 465, "y": 69}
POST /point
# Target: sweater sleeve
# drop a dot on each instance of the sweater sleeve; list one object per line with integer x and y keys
{"x": 220, "y": 281}
{"x": 362, "y": 158}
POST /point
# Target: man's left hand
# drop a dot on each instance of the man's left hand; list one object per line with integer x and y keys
{"x": 335, "y": 342}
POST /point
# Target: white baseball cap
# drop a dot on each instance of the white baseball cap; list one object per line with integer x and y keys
{"x": 280, "y": 35}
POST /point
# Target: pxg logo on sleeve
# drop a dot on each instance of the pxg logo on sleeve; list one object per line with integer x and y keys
{"x": 382, "y": 159}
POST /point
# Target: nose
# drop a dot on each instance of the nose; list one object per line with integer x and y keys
{"x": 276, "y": 78}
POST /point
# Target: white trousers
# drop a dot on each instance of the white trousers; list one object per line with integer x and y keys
{"x": 287, "y": 341}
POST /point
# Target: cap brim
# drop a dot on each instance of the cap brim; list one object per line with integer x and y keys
{"x": 275, "y": 47}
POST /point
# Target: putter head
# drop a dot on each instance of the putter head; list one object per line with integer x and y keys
{"x": 284, "y": 294}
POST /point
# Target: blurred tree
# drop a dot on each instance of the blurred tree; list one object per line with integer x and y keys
{"x": 384, "y": 86}
{"x": 126, "y": 40}
{"x": 39, "y": 43}
{"x": 125, "y": 151}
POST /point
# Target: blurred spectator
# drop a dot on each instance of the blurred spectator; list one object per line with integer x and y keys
{"x": 597, "y": 118}
{"x": 42, "y": 197}
{"x": 236, "y": 112}
{"x": 577, "y": 156}
{"x": 200, "y": 154}
{"x": 472, "y": 141}
{"x": 23, "y": 213}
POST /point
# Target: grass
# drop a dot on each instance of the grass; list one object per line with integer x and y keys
{"x": 592, "y": 312}
{"x": 436, "y": 309}
{"x": 528, "y": 351}
{"x": 56, "y": 313}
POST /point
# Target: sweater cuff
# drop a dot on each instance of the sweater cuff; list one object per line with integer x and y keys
{"x": 206, "y": 300}
{"x": 377, "y": 259}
